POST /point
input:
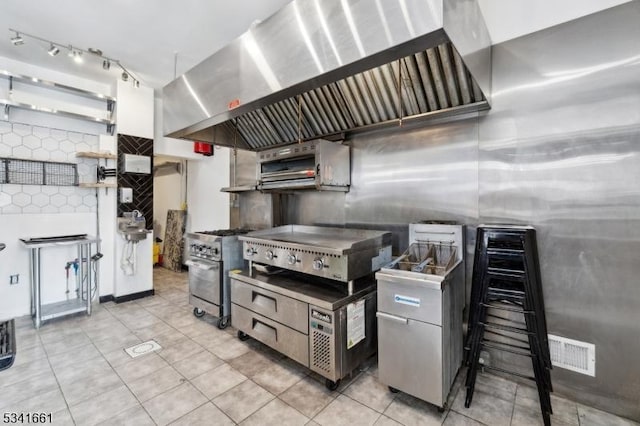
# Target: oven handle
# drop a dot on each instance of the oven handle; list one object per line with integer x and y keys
{"x": 392, "y": 317}
{"x": 205, "y": 266}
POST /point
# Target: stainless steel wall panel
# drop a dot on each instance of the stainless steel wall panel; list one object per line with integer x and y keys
{"x": 316, "y": 208}
{"x": 422, "y": 173}
{"x": 560, "y": 150}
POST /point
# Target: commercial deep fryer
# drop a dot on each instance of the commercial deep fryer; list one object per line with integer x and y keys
{"x": 420, "y": 307}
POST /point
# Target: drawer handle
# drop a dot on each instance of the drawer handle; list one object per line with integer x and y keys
{"x": 264, "y": 301}
{"x": 392, "y": 317}
{"x": 259, "y": 326}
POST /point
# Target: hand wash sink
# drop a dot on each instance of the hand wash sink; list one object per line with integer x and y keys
{"x": 133, "y": 229}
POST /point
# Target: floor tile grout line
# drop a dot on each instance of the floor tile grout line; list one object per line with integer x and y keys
{"x": 255, "y": 411}
{"x": 513, "y": 409}
{"x": 289, "y": 405}
{"x": 136, "y": 397}
{"x": 200, "y": 406}
{"x": 66, "y": 403}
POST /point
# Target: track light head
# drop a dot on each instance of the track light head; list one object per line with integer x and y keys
{"x": 136, "y": 83}
{"x": 53, "y": 50}
{"x": 106, "y": 64}
{"x": 17, "y": 40}
{"x": 77, "y": 57}
{"x": 125, "y": 76}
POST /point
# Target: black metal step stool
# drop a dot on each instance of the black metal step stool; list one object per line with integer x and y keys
{"x": 506, "y": 277}
{"x": 7, "y": 344}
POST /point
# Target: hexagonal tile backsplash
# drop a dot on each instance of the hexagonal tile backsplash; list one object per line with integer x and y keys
{"x": 28, "y": 142}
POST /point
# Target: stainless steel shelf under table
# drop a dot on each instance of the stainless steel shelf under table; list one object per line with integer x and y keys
{"x": 41, "y": 312}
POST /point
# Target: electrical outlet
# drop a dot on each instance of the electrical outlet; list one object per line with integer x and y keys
{"x": 14, "y": 279}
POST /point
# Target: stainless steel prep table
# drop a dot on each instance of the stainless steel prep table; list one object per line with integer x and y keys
{"x": 41, "y": 312}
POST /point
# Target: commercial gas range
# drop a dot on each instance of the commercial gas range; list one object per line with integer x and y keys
{"x": 420, "y": 306}
{"x": 212, "y": 254}
{"x": 310, "y": 294}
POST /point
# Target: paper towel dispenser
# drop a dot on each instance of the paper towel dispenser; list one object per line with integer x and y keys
{"x": 137, "y": 164}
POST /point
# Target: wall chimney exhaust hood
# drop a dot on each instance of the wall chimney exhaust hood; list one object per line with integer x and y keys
{"x": 319, "y": 68}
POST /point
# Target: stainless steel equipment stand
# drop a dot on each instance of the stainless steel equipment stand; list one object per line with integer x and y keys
{"x": 41, "y": 312}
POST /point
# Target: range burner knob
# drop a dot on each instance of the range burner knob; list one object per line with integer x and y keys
{"x": 269, "y": 255}
{"x": 318, "y": 263}
{"x": 250, "y": 252}
{"x": 292, "y": 259}
{"x": 215, "y": 251}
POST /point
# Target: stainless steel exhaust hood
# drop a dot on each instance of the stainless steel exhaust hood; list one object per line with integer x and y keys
{"x": 319, "y": 68}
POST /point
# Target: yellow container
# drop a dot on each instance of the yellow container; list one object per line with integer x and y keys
{"x": 156, "y": 252}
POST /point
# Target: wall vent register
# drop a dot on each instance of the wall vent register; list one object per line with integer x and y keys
{"x": 573, "y": 355}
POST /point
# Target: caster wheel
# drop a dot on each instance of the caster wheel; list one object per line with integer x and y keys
{"x": 393, "y": 390}
{"x": 243, "y": 336}
{"x": 199, "y": 313}
{"x": 443, "y": 408}
{"x": 223, "y": 323}
{"x": 331, "y": 385}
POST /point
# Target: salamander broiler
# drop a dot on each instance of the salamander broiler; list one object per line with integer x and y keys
{"x": 310, "y": 294}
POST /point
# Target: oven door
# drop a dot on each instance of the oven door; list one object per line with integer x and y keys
{"x": 204, "y": 280}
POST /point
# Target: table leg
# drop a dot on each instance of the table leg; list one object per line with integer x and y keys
{"x": 36, "y": 285}
{"x": 89, "y": 295}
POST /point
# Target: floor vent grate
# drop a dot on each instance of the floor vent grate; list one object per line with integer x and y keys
{"x": 143, "y": 348}
{"x": 573, "y": 355}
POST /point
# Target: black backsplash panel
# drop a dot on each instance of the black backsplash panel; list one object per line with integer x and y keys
{"x": 141, "y": 184}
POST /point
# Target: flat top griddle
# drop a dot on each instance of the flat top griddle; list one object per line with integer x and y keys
{"x": 340, "y": 240}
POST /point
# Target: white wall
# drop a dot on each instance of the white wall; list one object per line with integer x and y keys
{"x": 170, "y": 146}
{"x": 134, "y": 116}
{"x": 514, "y": 18}
{"x": 107, "y": 212}
{"x": 50, "y": 210}
{"x": 134, "y": 111}
{"x": 208, "y": 208}
{"x": 168, "y": 194}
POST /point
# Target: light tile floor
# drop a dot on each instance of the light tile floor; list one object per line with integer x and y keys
{"x": 76, "y": 368}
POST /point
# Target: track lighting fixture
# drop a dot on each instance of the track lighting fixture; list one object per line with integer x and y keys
{"x": 76, "y": 54}
{"x": 53, "y": 50}
{"x": 17, "y": 40}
